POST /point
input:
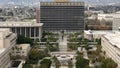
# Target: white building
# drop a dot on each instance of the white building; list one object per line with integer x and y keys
{"x": 105, "y": 17}
{"x": 108, "y": 17}
{"x": 89, "y": 34}
{"x": 27, "y": 29}
{"x": 7, "y": 41}
{"x": 116, "y": 22}
{"x": 93, "y": 17}
{"x": 111, "y": 45}
{"x": 21, "y": 50}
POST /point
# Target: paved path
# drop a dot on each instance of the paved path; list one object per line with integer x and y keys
{"x": 63, "y": 44}
{"x": 85, "y": 55}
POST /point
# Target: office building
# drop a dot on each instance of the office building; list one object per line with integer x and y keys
{"x": 111, "y": 45}
{"x": 27, "y": 29}
{"x": 62, "y": 15}
{"x": 7, "y": 41}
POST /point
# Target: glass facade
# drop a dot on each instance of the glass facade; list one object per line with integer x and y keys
{"x": 31, "y": 32}
{"x": 27, "y": 31}
{"x": 62, "y": 16}
{"x": 22, "y": 31}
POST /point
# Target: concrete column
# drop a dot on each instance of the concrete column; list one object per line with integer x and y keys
{"x": 20, "y": 31}
{"x": 15, "y": 30}
{"x": 40, "y": 32}
{"x": 34, "y": 33}
{"x": 25, "y": 32}
{"x": 30, "y": 31}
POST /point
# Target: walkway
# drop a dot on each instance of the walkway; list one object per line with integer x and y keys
{"x": 63, "y": 44}
{"x": 85, "y": 55}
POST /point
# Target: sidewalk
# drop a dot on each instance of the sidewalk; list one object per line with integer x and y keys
{"x": 63, "y": 44}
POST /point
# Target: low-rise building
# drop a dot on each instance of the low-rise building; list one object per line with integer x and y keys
{"x": 21, "y": 50}
{"x": 32, "y": 30}
{"x": 111, "y": 46}
{"x": 89, "y": 34}
{"x": 7, "y": 41}
{"x": 106, "y": 17}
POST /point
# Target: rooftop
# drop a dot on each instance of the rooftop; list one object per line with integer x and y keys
{"x": 96, "y": 32}
{"x": 117, "y": 16}
{"x": 18, "y": 24}
{"x": 24, "y": 46}
{"x": 4, "y": 29}
{"x": 112, "y": 15}
{"x": 62, "y": 0}
{"x": 2, "y": 50}
{"x": 113, "y": 38}
{"x": 62, "y": 3}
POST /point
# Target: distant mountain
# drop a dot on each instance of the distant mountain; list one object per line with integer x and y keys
{"x": 115, "y": 4}
{"x": 3, "y": 2}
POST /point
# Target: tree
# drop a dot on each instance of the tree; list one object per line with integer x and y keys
{"x": 109, "y": 63}
{"x": 35, "y": 42}
{"x": 52, "y": 47}
{"x": 70, "y": 64}
{"x": 56, "y": 61}
{"x": 46, "y": 52}
{"x": 34, "y": 54}
{"x": 81, "y": 62}
{"x": 45, "y": 63}
{"x": 98, "y": 41}
{"x": 12, "y": 57}
{"x": 27, "y": 66}
{"x": 22, "y": 39}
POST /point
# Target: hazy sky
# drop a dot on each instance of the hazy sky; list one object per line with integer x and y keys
{"x": 33, "y": 1}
